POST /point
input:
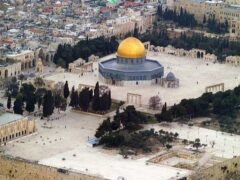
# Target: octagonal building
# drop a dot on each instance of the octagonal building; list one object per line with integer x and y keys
{"x": 130, "y": 66}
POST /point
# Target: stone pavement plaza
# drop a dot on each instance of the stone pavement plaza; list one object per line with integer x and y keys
{"x": 67, "y": 139}
{"x": 194, "y": 75}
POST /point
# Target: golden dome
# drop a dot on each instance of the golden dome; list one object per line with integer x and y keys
{"x": 131, "y": 48}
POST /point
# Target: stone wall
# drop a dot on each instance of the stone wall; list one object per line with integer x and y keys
{"x": 10, "y": 70}
{"x": 218, "y": 171}
{"x": 16, "y": 129}
{"x": 23, "y": 170}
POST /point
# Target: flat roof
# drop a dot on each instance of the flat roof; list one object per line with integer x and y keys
{"x": 9, "y": 117}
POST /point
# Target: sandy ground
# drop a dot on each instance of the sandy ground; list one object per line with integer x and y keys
{"x": 227, "y": 145}
{"x": 63, "y": 135}
{"x": 189, "y": 71}
{"x": 49, "y": 146}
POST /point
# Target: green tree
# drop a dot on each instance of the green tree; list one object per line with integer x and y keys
{"x": 204, "y": 19}
{"x": 57, "y": 101}
{"x": 9, "y": 102}
{"x": 26, "y": 90}
{"x": 18, "y": 104}
{"x": 30, "y": 103}
{"x": 104, "y": 102}
{"x": 66, "y": 90}
{"x": 96, "y": 100}
{"x": 48, "y": 104}
{"x": 197, "y": 143}
{"x": 84, "y": 99}
{"x": 72, "y": 98}
{"x": 104, "y": 128}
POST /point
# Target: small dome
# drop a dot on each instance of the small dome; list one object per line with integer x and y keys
{"x": 131, "y": 48}
{"x": 170, "y": 77}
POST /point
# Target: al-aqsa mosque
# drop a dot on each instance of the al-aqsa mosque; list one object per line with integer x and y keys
{"x": 131, "y": 66}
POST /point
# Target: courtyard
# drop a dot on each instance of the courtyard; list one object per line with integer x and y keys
{"x": 226, "y": 145}
{"x": 62, "y": 143}
{"x": 194, "y": 76}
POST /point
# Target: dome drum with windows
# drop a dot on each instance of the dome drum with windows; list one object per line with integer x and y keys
{"x": 130, "y": 64}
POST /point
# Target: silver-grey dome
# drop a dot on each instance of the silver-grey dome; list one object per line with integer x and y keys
{"x": 170, "y": 77}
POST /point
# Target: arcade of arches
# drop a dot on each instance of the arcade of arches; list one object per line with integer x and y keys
{"x": 10, "y": 70}
{"x": 16, "y": 129}
{"x": 134, "y": 99}
{"x": 215, "y": 88}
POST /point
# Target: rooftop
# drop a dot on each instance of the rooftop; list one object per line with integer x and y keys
{"x": 8, "y": 118}
{"x": 148, "y": 65}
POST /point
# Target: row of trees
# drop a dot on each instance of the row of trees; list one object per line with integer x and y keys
{"x": 219, "y": 46}
{"x": 28, "y": 96}
{"x": 100, "y": 46}
{"x": 183, "y": 18}
{"x": 223, "y": 104}
{"x": 88, "y": 98}
{"x": 214, "y": 26}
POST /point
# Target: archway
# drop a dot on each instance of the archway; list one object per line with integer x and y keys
{"x": 198, "y": 54}
{"x": 201, "y": 54}
{"x": 6, "y": 73}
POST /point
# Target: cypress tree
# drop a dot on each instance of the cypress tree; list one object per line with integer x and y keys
{"x": 30, "y": 103}
{"x": 204, "y": 19}
{"x": 76, "y": 99}
{"x": 105, "y": 102}
{"x": 72, "y": 97}
{"x": 109, "y": 100}
{"x": 84, "y": 99}
{"x": 96, "y": 102}
{"x": 66, "y": 90}
{"x": 48, "y": 104}
{"x": 90, "y": 94}
{"x": 9, "y": 102}
{"x": 57, "y": 101}
{"x": 18, "y": 104}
